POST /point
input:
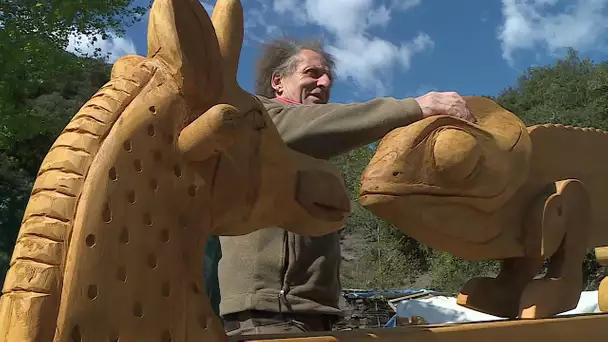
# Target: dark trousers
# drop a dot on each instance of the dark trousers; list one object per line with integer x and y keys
{"x": 262, "y": 322}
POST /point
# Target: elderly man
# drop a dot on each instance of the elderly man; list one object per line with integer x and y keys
{"x": 275, "y": 281}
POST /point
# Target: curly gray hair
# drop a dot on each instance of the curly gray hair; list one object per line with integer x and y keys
{"x": 280, "y": 57}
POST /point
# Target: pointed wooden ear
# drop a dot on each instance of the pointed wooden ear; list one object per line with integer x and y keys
{"x": 227, "y": 19}
{"x": 180, "y": 33}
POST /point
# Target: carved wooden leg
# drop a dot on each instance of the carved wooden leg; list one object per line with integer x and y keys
{"x": 560, "y": 289}
{"x": 500, "y": 296}
{"x": 601, "y": 254}
{"x": 542, "y": 233}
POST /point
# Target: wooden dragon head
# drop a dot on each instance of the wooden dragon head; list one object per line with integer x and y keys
{"x": 169, "y": 151}
{"x": 440, "y": 180}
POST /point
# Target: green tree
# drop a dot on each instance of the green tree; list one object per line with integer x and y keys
{"x": 42, "y": 87}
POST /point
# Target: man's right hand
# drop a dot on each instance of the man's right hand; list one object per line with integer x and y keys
{"x": 445, "y": 103}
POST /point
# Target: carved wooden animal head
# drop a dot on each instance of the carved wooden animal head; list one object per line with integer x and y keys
{"x": 112, "y": 241}
{"x": 442, "y": 178}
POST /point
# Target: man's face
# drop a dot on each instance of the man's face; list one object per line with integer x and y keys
{"x": 310, "y": 83}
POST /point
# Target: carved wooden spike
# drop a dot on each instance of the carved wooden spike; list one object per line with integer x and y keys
{"x": 228, "y": 21}
{"x": 111, "y": 245}
{"x": 183, "y": 45}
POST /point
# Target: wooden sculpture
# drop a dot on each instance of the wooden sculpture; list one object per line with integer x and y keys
{"x": 167, "y": 152}
{"x": 498, "y": 190}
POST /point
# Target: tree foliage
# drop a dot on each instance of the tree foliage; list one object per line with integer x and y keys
{"x": 33, "y": 38}
{"x": 43, "y": 86}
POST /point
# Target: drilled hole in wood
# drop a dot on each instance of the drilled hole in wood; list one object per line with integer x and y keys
{"x": 112, "y": 174}
{"x": 138, "y": 310}
{"x": 121, "y": 274}
{"x": 164, "y": 235}
{"x": 131, "y": 197}
{"x": 152, "y": 261}
{"x": 147, "y": 219}
{"x": 152, "y": 109}
{"x": 124, "y": 235}
{"x": 92, "y": 292}
{"x": 153, "y": 184}
{"x": 195, "y": 288}
{"x": 202, "y": 321}
{"x": 192, "y": 189}
{"x": 76, "y": 336}
{"x": 137, "y": 165}
{"x": 177, "y": 170}
{"x": 166, "y": 336}
{"x": 128, "y": 146}
{"x": 151, "y": 130}
{"x": 157, "y": 156}
{"x": 90, "y": 240}
{"x": 165, "y": 289}
{"x": 106, "y": 215}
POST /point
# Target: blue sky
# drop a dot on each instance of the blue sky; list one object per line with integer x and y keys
{"x": 405, "y": 48}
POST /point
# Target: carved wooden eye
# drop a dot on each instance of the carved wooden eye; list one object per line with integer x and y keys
{"x": 456, "y": 154}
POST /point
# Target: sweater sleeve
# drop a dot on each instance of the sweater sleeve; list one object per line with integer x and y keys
{"x": 327, "y": 130}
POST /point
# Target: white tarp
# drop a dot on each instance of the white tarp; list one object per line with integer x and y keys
{"x": 438, "y": 310}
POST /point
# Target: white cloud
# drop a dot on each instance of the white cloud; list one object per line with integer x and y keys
{"x": 368, "y": 61}
{"x": 114, "y": 47}
{"x": 363, "y": 58}
{"x": 552, "y": 25}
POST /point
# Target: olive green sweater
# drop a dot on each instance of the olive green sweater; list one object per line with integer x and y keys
{"x": 279, "y": 271}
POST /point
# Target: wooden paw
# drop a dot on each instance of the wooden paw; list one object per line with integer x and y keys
{"x": 547, "y": 297}
{"x": 490, "y": 296}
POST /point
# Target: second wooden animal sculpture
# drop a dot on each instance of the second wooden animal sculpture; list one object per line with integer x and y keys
{"x": 500, "y": 190}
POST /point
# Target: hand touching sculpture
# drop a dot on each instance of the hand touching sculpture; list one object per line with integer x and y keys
{"x": 444, "y": 103}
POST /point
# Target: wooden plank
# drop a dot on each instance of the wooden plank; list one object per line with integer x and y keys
{"x": 591, "y": 327}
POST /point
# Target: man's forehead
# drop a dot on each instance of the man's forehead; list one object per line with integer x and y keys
{"x": 309, "y": 58}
